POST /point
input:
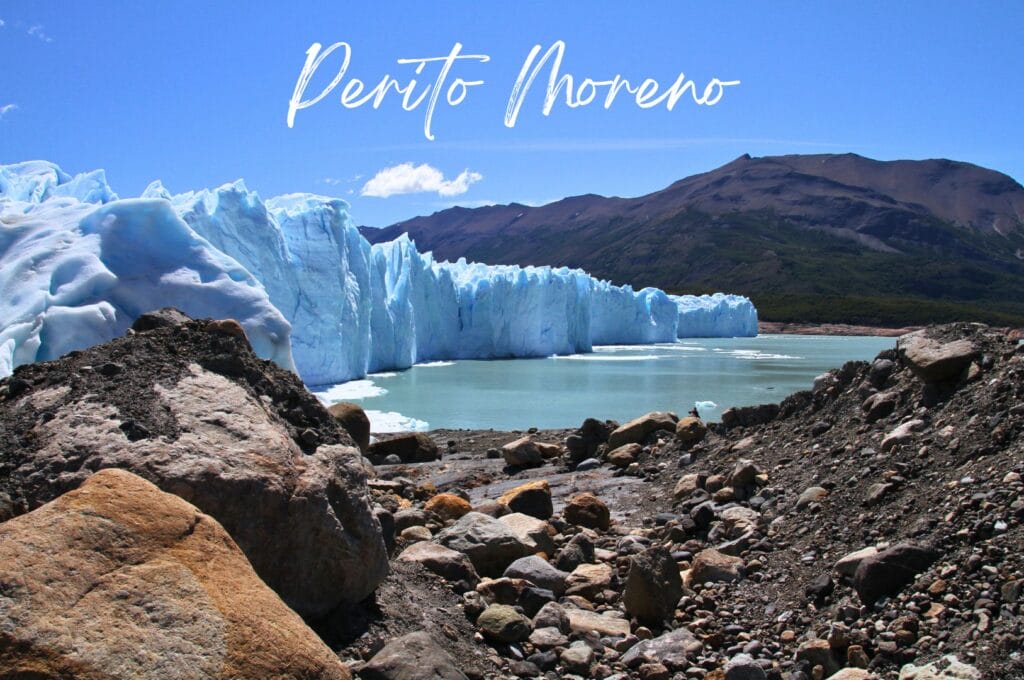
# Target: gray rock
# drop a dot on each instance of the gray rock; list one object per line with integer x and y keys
{"x": 712, "y": 566}
{"x": 888, "y": 572}
{"x": 577, "y": 658}
{"x": 531, "y": 531}
{"x": 933, "y": 360}
{"x": 676, "y": 649}
{"x": 410, "y": 447}
{"x": 552, "y": 615}
{"x": 490, "y": 544}
{"x": 548, "y": 637}
{"x": 415, "y": 656}
{"x": 522, "y": 453}
{"x": 449, "y": 564}
{"x": 637, "y": 430}
{"x": 538, "y": 571}
{"x": 503, "y": 623}
{"x": 743, "y": 667}
{"x": 588, "y": 464}
{"x": 653, "y": 586}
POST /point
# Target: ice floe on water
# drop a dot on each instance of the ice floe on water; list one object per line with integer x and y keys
{"x": 390, "y": 421}
{"x": 705, "y": 405}
{"x": 353, "y": 389}
{"x": 605, "y": 357}
{"x": 753, "y": 354}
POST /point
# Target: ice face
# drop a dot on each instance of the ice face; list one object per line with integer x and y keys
{"x": 715, "y": 316}
{"x": 77, "y": 265}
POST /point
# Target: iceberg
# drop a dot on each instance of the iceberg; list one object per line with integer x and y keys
{"x": 78, "y": 264}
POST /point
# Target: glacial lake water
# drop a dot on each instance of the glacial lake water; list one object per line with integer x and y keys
{"x": 617, "y": 382}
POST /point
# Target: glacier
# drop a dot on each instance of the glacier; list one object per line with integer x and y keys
{"x": 78, "y": 264}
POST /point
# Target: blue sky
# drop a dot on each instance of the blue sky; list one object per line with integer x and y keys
{"x": 196, "y": 93}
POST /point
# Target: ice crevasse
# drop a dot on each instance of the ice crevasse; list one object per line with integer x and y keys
{"x": 78, "y": 265}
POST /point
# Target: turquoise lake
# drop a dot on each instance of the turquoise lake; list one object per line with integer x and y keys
{"x": 617, "y": 382}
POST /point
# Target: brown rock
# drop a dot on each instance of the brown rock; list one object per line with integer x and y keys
{"x": 411, "y": 447}
{"x": 818, "y": 653}
{"x": 588, "y": 580}
{"x": 933, "y": 360}
{"x": 711, "y": 566}
{"x": 587, "y": 510}
{"x": 687, "y": 484}
{"x": 447, "y": 506}
{"x": 690, "y": 431}
{"x": 355, "y": 421}
{"x": 637, "y": 430}
{"x": 532, "y": 498}
{"x": 227, "y": 327}
{"x": 120, "y": 578}
{"x": 522, "y": 453}
{"x": 449, "y": 564}
{"x": 625, "y": 455}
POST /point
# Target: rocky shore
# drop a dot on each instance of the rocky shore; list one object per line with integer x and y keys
{"x": 171, "y": 505}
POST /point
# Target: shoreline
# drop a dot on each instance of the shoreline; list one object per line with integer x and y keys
{"x": 794, "y": 328}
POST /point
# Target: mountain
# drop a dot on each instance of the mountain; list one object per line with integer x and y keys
{"x": 838, "y": 238}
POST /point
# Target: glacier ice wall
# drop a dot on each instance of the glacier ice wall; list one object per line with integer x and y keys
{"x": 78, "y": 264}
{"x": 707, "y": 316}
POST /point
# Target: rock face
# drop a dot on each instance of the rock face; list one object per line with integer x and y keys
{"x": 933, "y": 360}
{"x": 490, "y": 545}
{"x": 637, "y": 430}
{"x": 653, "y": 586}
{"x": 415, "y": 656}
{"x": 355, "y": 421}
{"x": 410, "y": 447}
{"x": 120, "y": 579}
{"x": 886, "y": 573}
{"x": 199, "y": 415}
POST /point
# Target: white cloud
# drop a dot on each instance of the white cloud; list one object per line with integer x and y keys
{"x": 2, "y": 23}
{"x": 332, "y": 181}
{"x": 7, "y": 108}
{"x": 407, "y": 178}
{"x": 37, "y": 31}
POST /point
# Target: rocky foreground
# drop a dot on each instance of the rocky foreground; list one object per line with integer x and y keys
{"x": 870, "y": 527}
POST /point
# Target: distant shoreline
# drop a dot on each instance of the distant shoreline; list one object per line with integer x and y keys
{"x": 788, "y": 328}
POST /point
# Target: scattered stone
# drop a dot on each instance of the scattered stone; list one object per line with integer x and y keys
{"x": 532, "y": 498}
{"x": 933, "y": 360}
{"x": 503, "y": 623}
{"x": 818, "y": 653}
{"x": 449, "y": 564}
{"x": 687, "y": 484}
{"x": 355, "y": 421}
{"x": 447, "y": 507}
{"x": 847, "y": 565}
{"x": 538, "y": 571}
{"x": 637, "y": 430}
{"x": 587, "y": 510}
{"x": 886, "y": 573}
{"x": 675, "y": 650}
{"x": 690, "y": 431}
{"x": 577, "y": 658}
{"x": 522, "y": 453}
{"x": 415, "y": 655}
{"x": 712, "y": 566}
{"x": 946, "y": 668}
{"x": 902, "y": 434}
{"x": 410, "y": 447}
{"x": 653, "y": 586}
{"x": 743, "y": 667}
{"x": 532, "y": 532}
{"x": 489, "y": 543}
{"x": 588, "y": 580}
{"x": 609, "y": 624}
{"x": 813, "y": 494}
{"x": 625, "y": 455}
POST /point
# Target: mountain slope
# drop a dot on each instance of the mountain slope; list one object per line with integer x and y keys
{"x": 809, "y": 238}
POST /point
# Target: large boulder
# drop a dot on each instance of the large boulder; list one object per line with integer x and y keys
{"x": 490, "y": 544}
{"x": 199, "y": 415}
{"x": 415, "y": 656}
{"x": 534, "y": 533}
{"x": 538, "y": 571}
{"x": 712, "y": 566}
{"x": 118, "y": 579}
{"x": 676, "y": 650}
{"x": 690, "y": 431}
{"x": 653, "y": 586}
{"x": 886, "y": 573}
{"x": 638, "y": 429}
{"x": 353, "y": 418}
{"x": 410, "y": 447}
{"x": 934, "y": 360}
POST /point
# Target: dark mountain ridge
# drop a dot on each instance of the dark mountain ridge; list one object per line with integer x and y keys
{"x": 834, "y": 238}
